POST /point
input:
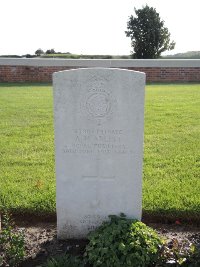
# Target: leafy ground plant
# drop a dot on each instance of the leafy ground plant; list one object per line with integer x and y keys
{"x": 123, "y": 242}
{"x": 12, "y": 248}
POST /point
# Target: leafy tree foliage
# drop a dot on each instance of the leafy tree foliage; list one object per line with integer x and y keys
{"x": 50, "y": 51}
{"x": 148, "y": 34}
{"x": 39, "y": 52}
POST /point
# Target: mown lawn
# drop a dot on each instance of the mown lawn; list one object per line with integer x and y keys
{"x": 171, "y": 184}
{"x": 172, "y": 150}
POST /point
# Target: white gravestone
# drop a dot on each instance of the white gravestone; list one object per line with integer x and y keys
{"x": 99, "y": 120}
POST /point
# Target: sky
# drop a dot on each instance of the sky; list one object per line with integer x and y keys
{"x": 90, "y": 26}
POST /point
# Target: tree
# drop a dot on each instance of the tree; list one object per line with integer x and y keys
{"x": 149, "y": 36}
{"x": 50, "y": 51}
{"x": 39, "y": 52}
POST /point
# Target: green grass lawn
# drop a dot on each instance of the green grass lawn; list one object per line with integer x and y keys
{"x": 171, "y": 184}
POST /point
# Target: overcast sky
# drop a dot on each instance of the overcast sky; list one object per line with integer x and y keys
{"x": 90, "y": 26}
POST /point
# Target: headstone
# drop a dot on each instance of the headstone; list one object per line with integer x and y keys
{"x": 99, "y": 120}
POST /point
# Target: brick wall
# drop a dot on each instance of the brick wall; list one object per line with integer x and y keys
{"x": 171, "y": 74}
{"x": 28, "y": 73}
{"x": 35, "y": 70}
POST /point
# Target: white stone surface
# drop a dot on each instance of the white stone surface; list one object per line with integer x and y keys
{"x": 99, "y": 119}
{"x": 106, "y": 63}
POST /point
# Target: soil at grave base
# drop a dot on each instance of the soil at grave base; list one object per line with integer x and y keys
{"x": 41, "y": 242}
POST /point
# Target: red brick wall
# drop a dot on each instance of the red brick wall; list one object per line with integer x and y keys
{"x": 44, "y": 73}
{"x": 185, "y": 74}
{"x": 27, "y": 73}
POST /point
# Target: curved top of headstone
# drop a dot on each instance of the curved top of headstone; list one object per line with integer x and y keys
{"x": 99, "y": 70}
{"x": 97, "y": 88}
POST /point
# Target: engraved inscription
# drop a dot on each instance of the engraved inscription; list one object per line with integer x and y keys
{"x": 93, "y": 221}
{"x": 98, "y": 141}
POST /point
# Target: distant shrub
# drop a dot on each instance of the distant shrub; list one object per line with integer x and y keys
{"x": 29, "y": 56}
{"x": 50, "y": 51}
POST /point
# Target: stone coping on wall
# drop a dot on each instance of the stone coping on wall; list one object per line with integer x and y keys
{"x": 109, "y": 63}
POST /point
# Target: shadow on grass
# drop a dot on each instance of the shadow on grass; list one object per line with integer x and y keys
{"x": 165, "y": 217}
{"x": 168, "y": 217}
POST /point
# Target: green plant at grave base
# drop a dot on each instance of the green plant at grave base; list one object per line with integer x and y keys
{"x": 12, "y": 248}
{"x": 123, "y": 242}
{"x": 194, "y": 259}
{"x": 65, "y": 261}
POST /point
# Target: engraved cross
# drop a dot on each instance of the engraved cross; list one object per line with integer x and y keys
{"x": 102, "y": 173}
